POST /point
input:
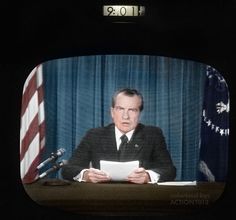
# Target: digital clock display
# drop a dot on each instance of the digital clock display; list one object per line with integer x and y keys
{"x": 123, "y": 10}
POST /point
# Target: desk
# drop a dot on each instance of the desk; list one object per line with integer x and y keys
{"x": 125, "y": 198}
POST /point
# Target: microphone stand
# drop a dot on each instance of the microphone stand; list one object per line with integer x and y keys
{"x": 54, "y": 181}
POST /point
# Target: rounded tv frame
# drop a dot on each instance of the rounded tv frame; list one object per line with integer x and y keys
{"x": 180, "y": 197}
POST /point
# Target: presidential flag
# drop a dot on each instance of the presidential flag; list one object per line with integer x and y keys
{"x": 213, "y": 161}
{"x": 32, "y": 131}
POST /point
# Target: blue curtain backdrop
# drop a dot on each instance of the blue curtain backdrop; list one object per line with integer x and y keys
{"x": 78, "y": 93}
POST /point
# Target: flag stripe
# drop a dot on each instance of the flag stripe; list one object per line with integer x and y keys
{"x": 40, "y": 93}
{"x": 29, "y": 120}
{"x": 29, "y": 92}
{"x": 32, "y": 133}
{"x": 33, "y": 130}
{"x": 34, "y": 81}
{"x": 29, "y": 136}
{"x": 41, "y": 112}
{"x": 42, "y": 132}
{"x": 30, "y": 156}
{"x": 29, "y": 176}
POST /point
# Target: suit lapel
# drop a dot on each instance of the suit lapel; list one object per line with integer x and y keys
{"x": 109, "y": 143}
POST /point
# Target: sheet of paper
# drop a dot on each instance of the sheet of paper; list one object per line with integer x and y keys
{"x": 178, "y": 183}
{"x": 118, "y": 171}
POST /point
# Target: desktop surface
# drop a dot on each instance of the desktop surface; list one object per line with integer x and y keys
{"x": 117, "y": 198}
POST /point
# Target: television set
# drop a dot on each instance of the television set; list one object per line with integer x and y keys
{"x": 167, "y": 41}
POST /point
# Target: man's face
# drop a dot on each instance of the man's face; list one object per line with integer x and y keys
{"x": 125, "y": 113}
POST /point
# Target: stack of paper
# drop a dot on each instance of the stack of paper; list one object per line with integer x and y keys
{"x": 178, "y": 183}
{"x": 118, "y": 171}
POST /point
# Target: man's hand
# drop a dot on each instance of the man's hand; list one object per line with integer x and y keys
{"x": 139, "y": 175}
{"x": 95, "y": 176}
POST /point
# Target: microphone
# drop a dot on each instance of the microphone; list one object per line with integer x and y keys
{"x": 55, "y": 167}
{"x": 53, "y": 156}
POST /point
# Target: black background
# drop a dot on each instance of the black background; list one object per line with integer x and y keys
{"x": 32, "y": 33}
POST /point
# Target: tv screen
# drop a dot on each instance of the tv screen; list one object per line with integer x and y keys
{"x": 84, "y": 58}
{"x": 187, "y": 99}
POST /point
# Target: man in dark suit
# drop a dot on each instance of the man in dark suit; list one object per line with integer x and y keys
{"x": 143, "y": 143}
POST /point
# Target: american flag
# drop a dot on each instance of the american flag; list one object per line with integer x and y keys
{"x": 32, "y": 131}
